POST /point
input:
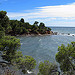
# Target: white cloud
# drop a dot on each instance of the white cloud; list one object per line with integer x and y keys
{"x": 58, "y": 11}
{"x": 47, "y": 13}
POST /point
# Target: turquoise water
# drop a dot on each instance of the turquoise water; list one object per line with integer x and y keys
{"x": 45, "y": 47}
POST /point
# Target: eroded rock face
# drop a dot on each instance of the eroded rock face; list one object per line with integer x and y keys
{"x": 49, "y": 32}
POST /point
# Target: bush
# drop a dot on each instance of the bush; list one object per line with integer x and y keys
{"x": 47, "y": 68}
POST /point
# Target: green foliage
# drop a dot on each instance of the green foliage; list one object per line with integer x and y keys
{"x": 27, "y": 25}
{"x": 35, "y": 29}
{"x": 66, "y": 57}
{"x": 19, "y": 27}
{"x": 42, "y": 31}
{"x": 14, "y": 24}
{"x": 1, "y": 28}
{"x": 47, "y": 68}
{"x": 15, "y": 27}
{"x": 2, "y": 34}
{"x": 24, "y": 62}
{"x": 9, "y": 45}
{"x": 36, "y": 23}
{"x": 69, "y": 73}
{"x": 22, "y": 20}
{"x": 4, "y": 21}
{"x": 3, "y": 14}
{"x": 21, "y": 30}
{"x": 29, "y": 62}
{"x": 48, "y": 28}
{"x": 42, "y": 25}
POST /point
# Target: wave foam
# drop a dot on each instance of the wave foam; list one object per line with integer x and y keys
{"x": 66, "y": 34}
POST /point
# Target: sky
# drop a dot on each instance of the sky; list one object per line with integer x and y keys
{"x": 51, "y": 12}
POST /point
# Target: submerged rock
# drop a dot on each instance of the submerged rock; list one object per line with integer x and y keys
{"x": 68, "y": 33}
{"x": 72, "y": 35}
{"x": 55, "y": 33}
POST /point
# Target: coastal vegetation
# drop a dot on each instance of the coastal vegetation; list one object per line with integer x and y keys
{"x": 9, "y": 46}
{"x": 16, "y": 27}
{"x": 48, "y": 68}
{"x": 66, "y": 58}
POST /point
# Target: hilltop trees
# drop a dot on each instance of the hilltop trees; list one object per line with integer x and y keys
{"x": 21, "y": 27}
{"x": 15, "y": 27}
{"x": 36, "y": 23}
{"x": 22, "y": 20}
{"x": 4, "y": 21}
{"x": 42, "y": 25}
{"x": 2, "y": 14}
{"x": 66, "y": 57}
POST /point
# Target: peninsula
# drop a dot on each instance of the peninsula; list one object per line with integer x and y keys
{"x": 20, "y": 27}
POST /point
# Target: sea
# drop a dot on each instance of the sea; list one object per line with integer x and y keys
{"x": 45, "y": 47}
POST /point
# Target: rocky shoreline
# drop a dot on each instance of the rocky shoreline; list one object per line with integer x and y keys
{"x": 33, "y": 34}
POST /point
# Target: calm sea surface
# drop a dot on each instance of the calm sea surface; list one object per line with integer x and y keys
{"x": 45, "y": 47}
{"x": 65, "y": 30}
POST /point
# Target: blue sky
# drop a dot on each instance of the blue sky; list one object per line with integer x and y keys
{"x": 51, "y": 12}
